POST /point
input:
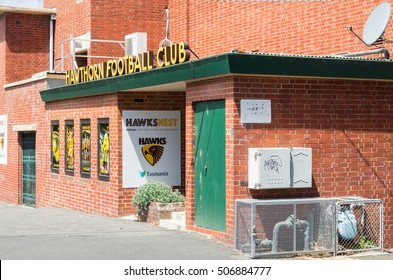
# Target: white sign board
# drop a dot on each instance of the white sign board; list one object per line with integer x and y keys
{"x": 255, "y": 111}
{"x": 3, "y": 139}
{"x": 151, "y": 147}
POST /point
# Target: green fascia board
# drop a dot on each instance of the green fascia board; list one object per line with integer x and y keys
{"x": 192, "y": 70}
{"x": 232, "y": 64}
{"x": 312, "y": 66}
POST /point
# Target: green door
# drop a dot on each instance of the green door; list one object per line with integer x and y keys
{"x": 209, "y": 154}
{"x": 28, "y": 169}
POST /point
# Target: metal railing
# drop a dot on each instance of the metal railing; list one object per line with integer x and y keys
{"x": 73, "y": 55}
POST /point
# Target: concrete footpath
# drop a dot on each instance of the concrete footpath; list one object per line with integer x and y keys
{"x": 61, "y": 234}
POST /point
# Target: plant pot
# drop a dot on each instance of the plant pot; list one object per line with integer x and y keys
{"x": 143, "y": 215}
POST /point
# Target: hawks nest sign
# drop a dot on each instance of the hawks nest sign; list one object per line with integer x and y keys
{"x": 151, "y": 147}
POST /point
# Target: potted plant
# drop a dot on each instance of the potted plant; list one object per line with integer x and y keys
{"x": 153, "y": 191}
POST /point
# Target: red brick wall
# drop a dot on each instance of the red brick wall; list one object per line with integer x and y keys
{"x": 27, "y": 46}
{"x": 92, "y": 195}
{"x": 348, "y": 124}
{"x": 61, "y": 190}
{"x": 74, "y": 192}
{"x": 217, "y": 26}
{"x": 112, "y": 20}
{"x": 306, "y": 27}
{"x": 72, "y": 20}
{"x": 15, "y": 106}
{"x": 107, "y": 20}
{"x": 2, "y": 55}
{"x": 3, "y": 110}
{"x": 23, "y": 52}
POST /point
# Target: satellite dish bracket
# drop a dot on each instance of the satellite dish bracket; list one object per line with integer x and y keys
{"x": 379, "y": 41}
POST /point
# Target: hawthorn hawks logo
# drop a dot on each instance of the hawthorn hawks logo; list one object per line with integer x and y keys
{"x": 152, "y": 149}
{"x": 152, "y": 153}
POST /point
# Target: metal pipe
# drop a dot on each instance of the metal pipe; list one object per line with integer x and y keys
{"x": 276, "y": 230}
{"x": 288, "y": 223}
{"x": 383, "y": 51}
{"x": 51, "y": 42}
{"x": 306, "y": 227}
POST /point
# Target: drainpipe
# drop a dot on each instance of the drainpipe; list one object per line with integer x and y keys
{"x": 288, "y": 223}
{"x": 51, "y": 41}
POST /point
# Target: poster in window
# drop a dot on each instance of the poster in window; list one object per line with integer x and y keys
{"x": 55, "y": 137}
{"x": 3, "y": 139}
{"x": 103, "y": 148}
{"x": 69, "y": 145}
{"x": 85, "y": 148}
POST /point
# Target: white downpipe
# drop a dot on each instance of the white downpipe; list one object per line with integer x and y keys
{"x": 51, "y": 42}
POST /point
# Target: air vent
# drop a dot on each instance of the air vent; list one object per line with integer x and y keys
{"x": 135, "y": 43}
{"x": 81, "y": 43}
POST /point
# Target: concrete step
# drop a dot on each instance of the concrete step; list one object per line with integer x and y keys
{"x": 178, "y": 221}
{"x": 179, "y": 216}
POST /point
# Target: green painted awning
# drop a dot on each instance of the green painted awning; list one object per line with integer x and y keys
{"x": 232, "y": 64}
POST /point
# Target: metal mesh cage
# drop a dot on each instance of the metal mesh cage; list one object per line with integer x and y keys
{"x": 284, "y": 226}
{"x": 359, "y": 225}
{"x": 310, "y": 225}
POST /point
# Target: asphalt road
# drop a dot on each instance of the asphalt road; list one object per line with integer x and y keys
{"x": 61, "y": 234}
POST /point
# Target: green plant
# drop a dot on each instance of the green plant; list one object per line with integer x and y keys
{"x": 365, "y": 243}
{"x": 154, "y": 191}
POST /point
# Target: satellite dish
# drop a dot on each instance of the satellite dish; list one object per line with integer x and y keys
{"x": 376, "y": 24}
{"x": 374, "y": 32}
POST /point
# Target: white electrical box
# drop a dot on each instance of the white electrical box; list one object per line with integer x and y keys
{"x": 277, "y": 168}
{"x": 135, "y": 43}
{"x": 301, "y": 167}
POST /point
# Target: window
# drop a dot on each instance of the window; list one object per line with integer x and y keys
{"x": 103, "y": 149}
{"x": 85, "y": 148}
{"x": 55, "y": 146}
{"x": 69, "y": 147}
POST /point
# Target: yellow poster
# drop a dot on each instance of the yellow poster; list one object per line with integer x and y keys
{"x": 69, "y": 131}
{"x": 104, "y": 149}
{"x": 55, "y": 146}
{"x": 86, "y": 148}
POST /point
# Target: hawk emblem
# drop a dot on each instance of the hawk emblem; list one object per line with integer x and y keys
{"x": 152, "y": 153}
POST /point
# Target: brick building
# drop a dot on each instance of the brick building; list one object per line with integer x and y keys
{"x": 340, "y": 107}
